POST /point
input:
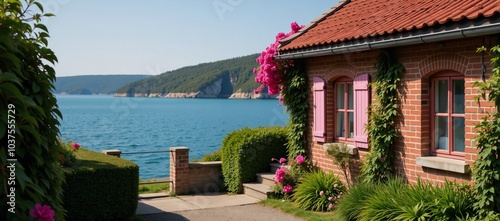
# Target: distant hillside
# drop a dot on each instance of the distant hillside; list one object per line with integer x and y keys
{"x": 231, "y": 78}
{"x": 93, "y": 84}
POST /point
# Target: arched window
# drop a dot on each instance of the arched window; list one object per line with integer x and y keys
{"x": 448, "y": 114}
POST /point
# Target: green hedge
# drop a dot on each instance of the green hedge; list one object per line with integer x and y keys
{"x": 100, "y": 187}
{"x": 246, "y": 152}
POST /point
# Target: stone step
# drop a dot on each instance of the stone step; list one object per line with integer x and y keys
{"x": 257, "y": 190}
{"x": 265, "y": 178}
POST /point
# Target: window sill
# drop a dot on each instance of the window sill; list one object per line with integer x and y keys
{"x": 441, "y": 163}
{"x": 351, "y": 149}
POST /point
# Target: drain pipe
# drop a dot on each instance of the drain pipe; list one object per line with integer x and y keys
{"x": 404, "y": 41}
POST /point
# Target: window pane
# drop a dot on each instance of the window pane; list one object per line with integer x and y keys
{"x": 351, "y": 97}
{"x": 441, "y": 133}
{"x": 340, "y": 130}
{"x": 441, "y": 96}
{"x": 351, "y": 124}
{"x": 459, "y": 134}
{"x": 458, "y": 96}
{"x": 340, "y": 96}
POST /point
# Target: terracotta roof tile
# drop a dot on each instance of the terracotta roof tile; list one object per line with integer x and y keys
{"x": 370, "y": 18}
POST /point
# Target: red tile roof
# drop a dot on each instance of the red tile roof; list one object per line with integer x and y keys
{"x": 371, "y": 18}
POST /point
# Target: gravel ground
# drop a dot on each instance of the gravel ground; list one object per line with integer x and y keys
{"x": 253, "y": 212}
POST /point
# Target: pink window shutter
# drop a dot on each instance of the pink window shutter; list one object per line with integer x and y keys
{"x": 361, "y": 102}
{"x": 319, "y": 128}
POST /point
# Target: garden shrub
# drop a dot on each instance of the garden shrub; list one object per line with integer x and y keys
{"x": 29, "y": 115}
{"x": 318, "y": 191}
{"x": 342, "y": 158}
{"x": 246, "y": 152}
{"x": 100, "y": 187}
{"x": 395, "y": 200}
{"x": 350, "y": 204}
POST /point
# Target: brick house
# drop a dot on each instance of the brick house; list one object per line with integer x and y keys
{"x": 436, "y": 42}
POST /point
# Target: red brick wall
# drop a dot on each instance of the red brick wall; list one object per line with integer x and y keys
{"x": 186, "y": 177}
{"x": 205, "y": 177}
{"x": 420, "y": 62}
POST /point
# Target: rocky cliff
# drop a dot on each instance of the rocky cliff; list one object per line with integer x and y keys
{"x": 221, "y": 87}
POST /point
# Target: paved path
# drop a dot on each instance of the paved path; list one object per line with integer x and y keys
{"x": 208, "y": 207}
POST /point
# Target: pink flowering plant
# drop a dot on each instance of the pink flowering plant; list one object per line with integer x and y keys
{"x": 42, "y": 213}
{"x": 318, "y": 191}
{"x": 270, "y": 71}
{"x": 67, "y": 151}
{"x": 289, "y": 175}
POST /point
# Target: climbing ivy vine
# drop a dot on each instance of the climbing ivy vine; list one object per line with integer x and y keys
{"x": 486, "y": 171}
{"x": 294, "y": 95}
{"x": 381, "y": 127}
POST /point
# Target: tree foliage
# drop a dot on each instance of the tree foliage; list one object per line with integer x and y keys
{"x": 26, "y": 81}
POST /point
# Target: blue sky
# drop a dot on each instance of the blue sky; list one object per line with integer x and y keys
{"x": 154, "y": 36}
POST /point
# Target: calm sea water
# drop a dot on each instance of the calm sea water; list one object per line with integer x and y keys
{"x": 156, "y": 124}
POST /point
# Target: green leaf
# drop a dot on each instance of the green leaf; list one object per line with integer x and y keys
{"x": 9, "y": 77}
{"x": 39, "y": 5}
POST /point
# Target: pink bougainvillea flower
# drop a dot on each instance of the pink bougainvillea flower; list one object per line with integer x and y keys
{"x": 42, "y": 213}
{"x": 268, "y": 73}
{"x": 75, "y": 145}
{"x": 287, "y": 189}
{"x": 300, "y": 159}
{"x": 321, "y": 193}
{"x": 330, "y": 207}
{"x": 335, "y": 185}
{"x": 282, "y": 160}
{"x": 330, "y": 198}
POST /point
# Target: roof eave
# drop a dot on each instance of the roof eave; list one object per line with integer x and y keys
{"x": 475, "y": 31}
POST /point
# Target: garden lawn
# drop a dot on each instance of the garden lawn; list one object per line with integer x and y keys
{"x": 154, "y": 188}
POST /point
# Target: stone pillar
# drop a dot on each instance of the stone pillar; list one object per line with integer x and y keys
{"x": 179, "y": 170}
{"x": 116, "y": 153}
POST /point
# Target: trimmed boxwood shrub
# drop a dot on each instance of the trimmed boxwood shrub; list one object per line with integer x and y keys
{"x": 100, "y": 187}
{"x": 246, "y": 152}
